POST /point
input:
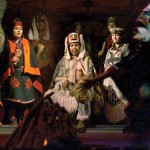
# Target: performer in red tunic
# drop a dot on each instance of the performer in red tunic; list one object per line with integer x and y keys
{"x": 19, "y": 74}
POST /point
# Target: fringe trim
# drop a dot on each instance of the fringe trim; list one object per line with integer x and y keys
{"x": 66, "y": 101}
{"x": 115, "y": 114}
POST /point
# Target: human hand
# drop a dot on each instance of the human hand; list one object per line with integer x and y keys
{"x": 48, "y": 93}
{"x": 66, "y": 83}
{"x": 100, "y": 53}
{"x": 18, "y": 52}
{"x": 15, "y": 59}
{"x": 1, "y": 104}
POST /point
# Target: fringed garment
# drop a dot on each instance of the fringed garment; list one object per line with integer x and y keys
{"x": 66, "y": 70}
{"x": 114, "y": 99}
{"x": 131, "y": 74}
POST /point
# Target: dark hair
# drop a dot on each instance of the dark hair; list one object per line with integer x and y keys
{"x": 112, "y": 20}
{"x": 16, "y": 20}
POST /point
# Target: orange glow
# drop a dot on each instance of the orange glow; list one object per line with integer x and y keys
{"x": 45, "y": 141}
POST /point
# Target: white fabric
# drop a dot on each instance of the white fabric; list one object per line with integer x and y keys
{"x": 147, "y": 8}
{"x": 82, "y": 49}
{"x": 82, "y": 112}
{"x": 108, "y": 82}
{"x": 66, "y": 70}
{"x": 113, "y": 56}
{"x": 143, "y": 34}
{"x": 63, "y": 98}
{"x": 33, "y": 32}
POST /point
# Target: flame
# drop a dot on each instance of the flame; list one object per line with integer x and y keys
{"x": 45, "y": 141}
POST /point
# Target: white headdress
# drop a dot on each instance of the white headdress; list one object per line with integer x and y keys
{"x": 33, "y": 32}
{"x": 71, "y": 38}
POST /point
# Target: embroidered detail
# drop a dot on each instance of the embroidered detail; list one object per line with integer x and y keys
{"x": 14, "y": 82}
{"x": 28, "y": 83}
{"x": 111, "y": 98}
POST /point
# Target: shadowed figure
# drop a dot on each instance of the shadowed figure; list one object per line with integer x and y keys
{"x": 75, "y": 65}
{"x": 45, "y": 47}
{"x": 132, "y": 76}
{"x": 19, "y": 74}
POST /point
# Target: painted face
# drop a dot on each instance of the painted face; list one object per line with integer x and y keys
{"x": 17, "y": 32}
{"x": 74, "y": 48}
{"x": 116, "y": 38}
{"x": 111, "y": 25}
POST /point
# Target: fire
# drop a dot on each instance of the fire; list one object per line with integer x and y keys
{"x": 45, "y": 141}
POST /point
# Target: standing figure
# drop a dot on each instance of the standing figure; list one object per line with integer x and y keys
{"x": 40, "y": 28}
{"x": 111, "y": 23}
{"x": 132, "y": 76}
{"x": 19, "y": 73}
{"x": 114, "y": 99}
{"x": 71, "y": 69}
{"x": 44, "y": 46}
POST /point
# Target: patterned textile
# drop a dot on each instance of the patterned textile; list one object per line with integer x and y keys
{"x": 61, "y": 95}
{"x": 68, "y": 73}
{"x": 66, "y": 70}
{"x": 114, "y": 99}
{"x": 113, "y": 56}
{"x": 19, "y": 85}
{"x": 132, "y": 74}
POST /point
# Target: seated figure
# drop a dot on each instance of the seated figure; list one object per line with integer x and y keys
{"x": 71, "y": 69}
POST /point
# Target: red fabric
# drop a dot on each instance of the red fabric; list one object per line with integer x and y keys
{"x": 109, "y": 42}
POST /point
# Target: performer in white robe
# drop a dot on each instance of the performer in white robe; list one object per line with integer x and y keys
{"x": 71, "y": 69}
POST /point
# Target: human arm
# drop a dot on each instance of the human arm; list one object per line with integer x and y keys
{"x": 88, "y": 83}
{"x": 101, "y": 52}
{"x": 58, "y": 86}
{"x": 113, "y": 71}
